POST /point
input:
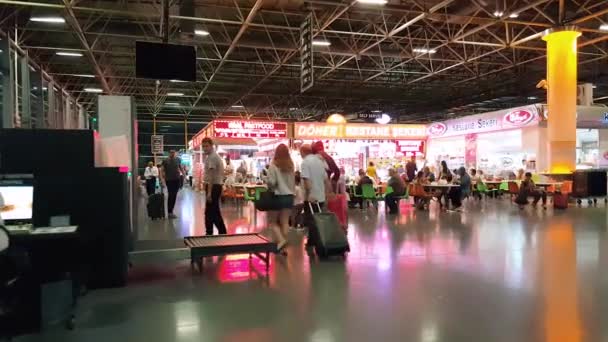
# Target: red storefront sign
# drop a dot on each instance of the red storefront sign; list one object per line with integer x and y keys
{"x": 411, "y": 146}
{"x": 243, "y": 129}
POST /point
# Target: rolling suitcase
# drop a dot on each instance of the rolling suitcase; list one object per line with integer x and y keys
{"x": 329, "y": 237}
{"x": 560, "y": 200}
{"x": 156, "y": 206}
{"x": 338, "y": 206}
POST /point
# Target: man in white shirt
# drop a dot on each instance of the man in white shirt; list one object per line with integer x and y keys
{"x": 315, "y": 183}
{"x": 151, "y": 174}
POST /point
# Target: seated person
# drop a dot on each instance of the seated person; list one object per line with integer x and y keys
{"x": 398, "y": 186}
{"x": 421, "y": 197}
{"x": 476, "y": 180}
{"x": 456, "y": 194}
{"x": 430, "y": 177}
{"x": 527, "y": 188}
{"x": 363, "y": 179}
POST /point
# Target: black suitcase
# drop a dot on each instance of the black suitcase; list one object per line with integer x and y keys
{"x": 329, "y": 237}
{"x": 156, "y": 206}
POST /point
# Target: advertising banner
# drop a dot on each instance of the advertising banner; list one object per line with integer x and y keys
{"x": 307, "y": 79}
{"x": 470, "y": 151}
{"x": 318, "y": 130}
{"x": 488, "y": 122}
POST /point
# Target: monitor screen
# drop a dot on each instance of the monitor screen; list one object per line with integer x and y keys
{"x": 18, "y": 201}
{"x": 165, "y": 61}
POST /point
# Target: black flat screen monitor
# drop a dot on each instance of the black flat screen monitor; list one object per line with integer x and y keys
{"x": 165, "y": 61}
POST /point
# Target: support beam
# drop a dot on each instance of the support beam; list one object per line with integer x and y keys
{"x": 71, "y": 18}
{"x": 250, "y": 16}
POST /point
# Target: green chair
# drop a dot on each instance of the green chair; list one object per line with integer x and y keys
{"x": 247, "y": 196}
{"x": 368, "y": 193}
{"x": 258, "y": 192}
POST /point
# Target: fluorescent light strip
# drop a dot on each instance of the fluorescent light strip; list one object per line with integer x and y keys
{"x": 373, "y": 2}
{"x": 321, "y": 43}
{"x": 84, "y": 75}
{"x": 177, "y": 81}
{"x": 69, "y": 54}
{"x": 172, "y": 104}
{"x": 513, "y": 15}
{"x": 604, "y": 27}
{"x": 51, "y": 20}
{"x": 93, "y": 90}
{"x": 424, "y": 50}
{"x": 201, "y": 32}
{"x": 175, "y": 94}
{"x": 238, "y": 106}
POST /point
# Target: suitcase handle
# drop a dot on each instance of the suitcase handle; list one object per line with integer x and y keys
{"x": 310, "y": 206}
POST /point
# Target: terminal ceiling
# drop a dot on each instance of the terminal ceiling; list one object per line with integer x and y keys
{"x": 417, "y": 60}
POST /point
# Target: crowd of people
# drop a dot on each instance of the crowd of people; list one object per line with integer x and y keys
{"x": 298, "y": 193}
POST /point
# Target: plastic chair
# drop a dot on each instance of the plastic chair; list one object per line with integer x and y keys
{"x": 258, "y": 192}
{"x": 368, "y": 193}
{"x": 566, "y": 187}
{"x": 513, "y": 189}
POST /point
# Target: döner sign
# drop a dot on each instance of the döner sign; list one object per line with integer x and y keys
{"x": 358, "y": 131}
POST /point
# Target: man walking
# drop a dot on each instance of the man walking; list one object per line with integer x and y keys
{"x": 171, "y": 173}
{"x": 316, "y": 183}
{"x": 213, "y": 180}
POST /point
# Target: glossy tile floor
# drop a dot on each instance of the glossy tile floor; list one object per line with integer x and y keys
{"x": 491, "y": 273}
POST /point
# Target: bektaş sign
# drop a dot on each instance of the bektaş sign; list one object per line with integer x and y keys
{"x": 488, "y": 122}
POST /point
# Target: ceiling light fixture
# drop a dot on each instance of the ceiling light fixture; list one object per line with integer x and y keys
{"x": 175, "y": 94}
{"x": 384, "y": 119}
{"x": 293, "y": 108}
{"x": 498, "y": 13}
{"x": 373, "y": 2}
{"x": 321, "y": 43}
{"x": 201, "y": 32}
{"x": 513, "y": 15}
{"x": 69, "y": 54}
{"x": 604, "y": 27}
{"x": 84, "y": 75}
{"x": 376, "y": 111}
{"x": 594, "y": 86}
{"x": 237, "y": 106}
{"x": 93, "y": 90}
{"x": 171, "y": 104}
{"x": 424, "y": 50}
{"x": 50, "y": 20}
{"x": 532, "y": 97}
{"x": 177, "y": 81}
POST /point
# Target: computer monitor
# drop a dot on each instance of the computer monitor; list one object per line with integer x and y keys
{"x": 18, "y": 198}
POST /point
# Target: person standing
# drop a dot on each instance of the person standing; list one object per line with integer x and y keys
{"x": 213, "y": 180}
{"x": 316, "y": 183}
{"x": 172, "y": 170}
{"x": 396, "y": 183}
{"x": 371, "y": 171}
{"x": 281, "y": 181}
{"x": 333, "y": 172}
{"x": 150, "y": 174}
{"x": 411, "y": 168}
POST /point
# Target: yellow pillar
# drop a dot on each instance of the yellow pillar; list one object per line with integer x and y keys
{"x": 561, "y": 99}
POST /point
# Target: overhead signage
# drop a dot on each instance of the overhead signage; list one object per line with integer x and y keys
{"x": 495, "y": 121}
{"x": 243, "y": 129}
{"x": 410, "y": 146}
{"x": 306, "y": 55}
{"x": 358, "y": 131}
{"x": 157, "y": 144}
{"x": 369, "y": 116}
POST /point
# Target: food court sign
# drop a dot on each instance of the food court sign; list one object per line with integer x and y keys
{"x": 240, "y": 129}
{"x": 358, "y": 131}
{"x": 494, "y": 121}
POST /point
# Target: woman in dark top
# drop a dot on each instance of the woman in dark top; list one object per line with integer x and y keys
{"x": 445, "y": 172}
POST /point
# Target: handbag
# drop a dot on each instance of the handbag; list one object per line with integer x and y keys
{"x": 268, "y": 201}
